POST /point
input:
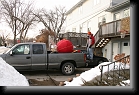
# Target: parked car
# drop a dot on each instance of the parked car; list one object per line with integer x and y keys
{"x": 96, "y": 60}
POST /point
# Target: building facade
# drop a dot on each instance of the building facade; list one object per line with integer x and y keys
{"x": 105, "y": 19}
{"x": 87, "y": 14}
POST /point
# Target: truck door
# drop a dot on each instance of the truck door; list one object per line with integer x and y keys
{"x": 20, "y": 58}
{"x": 38, "y": 57}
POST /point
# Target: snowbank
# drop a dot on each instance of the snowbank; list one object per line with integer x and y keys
{"x": 92, "y": 73}
{"x": 9, "y": 76}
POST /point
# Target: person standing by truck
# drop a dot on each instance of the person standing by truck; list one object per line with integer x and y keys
{"x": 89, "y": 44}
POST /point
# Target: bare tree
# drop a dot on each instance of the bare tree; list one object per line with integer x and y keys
{"x": 4, "y": 36}
{"x": 9, "y": 13}
{"x": 52, "y": 20}
{"x": 27, "y": 19}
{"x": 18, "y": 16}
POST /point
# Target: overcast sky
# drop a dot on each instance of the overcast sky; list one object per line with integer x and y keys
{"x": 50, "y": 4}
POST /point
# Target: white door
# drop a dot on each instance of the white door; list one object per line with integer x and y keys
{"x": 125, "y": 48}
{"x": 115, "y": 50}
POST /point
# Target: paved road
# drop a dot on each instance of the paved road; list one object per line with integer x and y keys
{"x": 55, "y": 74}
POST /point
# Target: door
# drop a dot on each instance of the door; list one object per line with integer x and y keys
{"x": 20, "y": 58}
{"x": 115, "y": 50}
{"x": 126, "y": 48}
{"x": 38, "y": 57}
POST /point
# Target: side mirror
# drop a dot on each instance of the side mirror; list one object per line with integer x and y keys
{"x": 11, "y": 53}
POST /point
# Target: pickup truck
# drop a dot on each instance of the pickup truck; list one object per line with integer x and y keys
{"x": 35, "y": 56}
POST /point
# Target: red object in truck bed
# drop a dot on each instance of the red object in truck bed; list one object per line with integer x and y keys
{"x": 64, "y": 46}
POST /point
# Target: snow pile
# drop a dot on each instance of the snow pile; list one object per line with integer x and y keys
{"x": 92, "y": 73}
{"x": 127, "y": 82}
{"x": 9, "y": 76}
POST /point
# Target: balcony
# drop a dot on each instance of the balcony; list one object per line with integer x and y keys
{"x": 119, "y": 28}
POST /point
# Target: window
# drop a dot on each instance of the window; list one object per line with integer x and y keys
{"x": 116, "y": 16}
{"x": 96, "y": 2}
{"x": 73, "y": 29}
{"x": 126, "y": 44}
{"x": 84, "y": 27}
{"x": 126, "y": 13}
{"x": 101, "y": 19}
{"x": 37, "y": 49}
{"x": 89, "y": 26}
{"x": 26, "y": 49}
{"x": 21, "y": 50}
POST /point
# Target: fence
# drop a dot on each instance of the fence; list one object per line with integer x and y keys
{"x": 112, "y": 74}
{"x": 119, "y": 72}
{"x": 76, "y": 38}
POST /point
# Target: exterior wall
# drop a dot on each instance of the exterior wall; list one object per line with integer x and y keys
{"x": 125, "y": 41}
{"x": 88, "y": 18}
{"x": 121, "y": 13}
{"x": 107, "y": 51}
{"x": 110, "y": 50}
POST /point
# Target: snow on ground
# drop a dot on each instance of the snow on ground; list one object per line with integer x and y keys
{"x": 9, "y": 76}
{"x": 92, "y": 73}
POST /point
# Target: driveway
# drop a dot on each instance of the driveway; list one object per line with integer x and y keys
{"x": 55, "y": 74}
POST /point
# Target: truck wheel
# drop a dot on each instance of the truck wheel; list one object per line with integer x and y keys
{"x": 68, "y": 68}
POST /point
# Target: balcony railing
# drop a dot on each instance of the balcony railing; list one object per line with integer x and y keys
{"x": 120, "y": 71}
{"x": 112, "y": 73}
{"x": 112, "y": 29}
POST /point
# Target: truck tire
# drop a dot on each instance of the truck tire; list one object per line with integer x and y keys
{"x": 68, "y": 68}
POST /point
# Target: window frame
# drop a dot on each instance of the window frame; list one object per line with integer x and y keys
{"x": 37, "y": 49}
{"x": 128, "y": 12}
{"x": 115, "y": 18}
{"x": 18, "y": 51}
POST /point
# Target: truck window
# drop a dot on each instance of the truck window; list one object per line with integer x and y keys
{"x": 21, "y": 50}
{"x": 37, "y": 49}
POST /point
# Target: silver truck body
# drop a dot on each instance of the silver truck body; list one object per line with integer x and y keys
{"x": 22, "y": 56}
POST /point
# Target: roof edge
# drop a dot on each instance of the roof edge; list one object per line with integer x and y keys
{"x": 110, "y": 9}
{"x": 75, "y": 6}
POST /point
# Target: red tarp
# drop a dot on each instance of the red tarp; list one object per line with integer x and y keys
{"x": 64, "y": 46}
